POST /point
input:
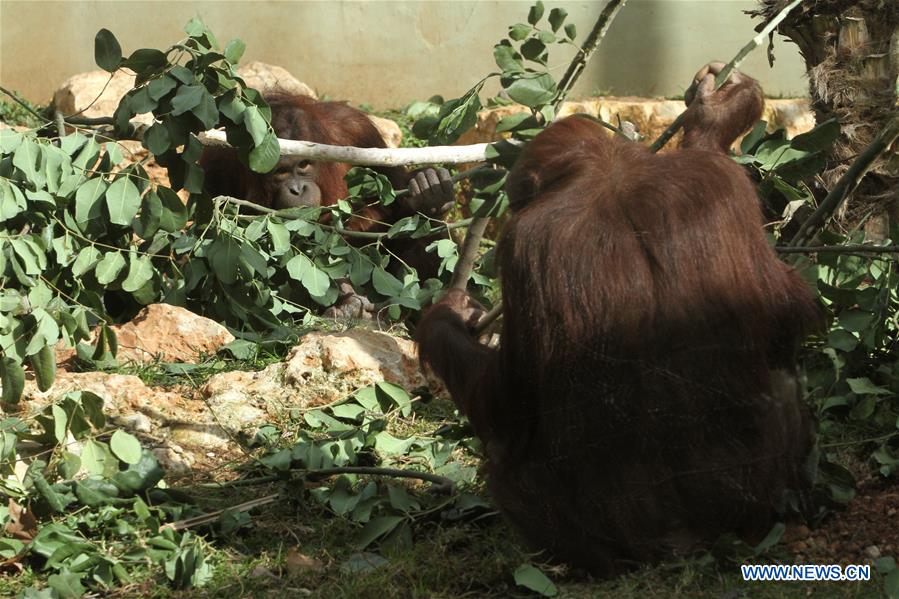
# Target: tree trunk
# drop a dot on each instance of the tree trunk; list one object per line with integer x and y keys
{"x": 851, "y": 51}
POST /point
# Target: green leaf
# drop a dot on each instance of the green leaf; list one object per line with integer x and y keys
{"x": 12, "y": 377}
{"x": 532, "y": 91}
{"x": 265, "y": 156}
{"x": 160, "y": 86}
{"x": 223, "y": 256}
{"x": 123, "y": 201}
{"x": 44, "y": 365}
{"x": 67, "y": 584}
{"x": 157, "y": 139}
{"x": 280, "y": 237}
{"x": 535, "y": 13}
{"x": 818, "y": 139}
{"x": 531, "y": 578}
{"x": 557, "y": 17}
{"x": 385, "y": 283}
{"x": 10, "y": 140}
{"x": 88, "y": 256}
{"x": 187, "y": 98}
{"x": 255, "y": 124}
{"x": 519, "y": 31}
{"x": 107, "y": 51}
{"x": 125, "y": 447}
{"x": 864, "y": 386}
{"x": 146, "y": 60}
{"x": 234, "y": 50}
{"x": 855, "y": 321}
{"x": 842, "y": 340}
{"x": 376, "y": 528}
{"x": 302, "y": 269}
{"x": 140, "y": 270}
{"x": 87, "y": 200}
{"x": 206, "y": 110}
{"x": 109, "y": 267}
{"x": 507, "y": 59}
{"x": 27, "y": 159}
{"x": 395, "y": 394}
{"x": 171, "y": 211}
{"x": 457, "y": 116}
{"x": 571, "y": 31}
{"x": 532, "y": 49}
{"x": 96, "y": 457}
{"x": 12, "y": 202}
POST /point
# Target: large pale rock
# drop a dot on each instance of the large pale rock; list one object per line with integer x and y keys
{"x": 388, "y": 129}
{"x": 164, "y": 332}
{"x": 323, "y": 368}
{"x": 183, "y": 425}
{"x": 84, "y": 94}
{"x": 650, "y": 117}
{"x": 268, "y": 78}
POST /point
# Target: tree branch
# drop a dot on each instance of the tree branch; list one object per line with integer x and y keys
{"x": 368, "y": 156}
{"x": 442, "y": 484}
{"x": 590, "y": 45}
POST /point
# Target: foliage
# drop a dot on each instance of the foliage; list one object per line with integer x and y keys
{"x": 853, "y": 374}
{"x": 88, "y": 509}
{"x": 13, "y": 113}
{"x": 785, "y": 166}
{"x": 91, "y": 505}
{"x": 86, "y": 239}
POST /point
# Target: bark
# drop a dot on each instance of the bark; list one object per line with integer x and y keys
{"x": 851, "y": 51}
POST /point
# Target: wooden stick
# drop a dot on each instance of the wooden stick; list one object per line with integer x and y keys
{"x": 721, "y": 79}
{"x": 368, "y": 156}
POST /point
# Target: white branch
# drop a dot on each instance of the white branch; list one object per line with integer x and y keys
{"x": 368, "y": 156}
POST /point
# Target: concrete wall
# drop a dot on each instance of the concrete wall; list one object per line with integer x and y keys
{"x": 389, "y": 53}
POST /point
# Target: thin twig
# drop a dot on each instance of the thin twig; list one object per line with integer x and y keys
{"x": 442, "y": 484}
{"x": 837, "y": 249}
{"x": 722, "y": 77}
{"x": 210, "y": 517}
{"x": 22, "y": 103}
{"x": 590, "y": 45}
{"x": 848, "y": 182}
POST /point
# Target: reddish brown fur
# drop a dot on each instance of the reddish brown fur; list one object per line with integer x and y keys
{"x": 333, "y": 123}
{"x": 643, "y": 399}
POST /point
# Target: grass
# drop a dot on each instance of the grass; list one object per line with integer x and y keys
{"x": 444, "y": 558}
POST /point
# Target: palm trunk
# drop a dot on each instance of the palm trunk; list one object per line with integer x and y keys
{"x": 851, "y": 51}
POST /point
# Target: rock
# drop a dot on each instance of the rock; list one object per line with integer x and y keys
{"x": 190, "y": 426}
{"x": 166, "y": 332}
{"x": 650, "y": 117}
{"x": 297, "y": 563}
{"x": 363, "y": 356}
{"x": 175, "y": 462}
{"x": 269, "y": 78}
{"x": 388, "y": 129}
{"x": 323, "y": 368}
{"x": 872, "y": 551}
{"x": 84, "y": 93}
